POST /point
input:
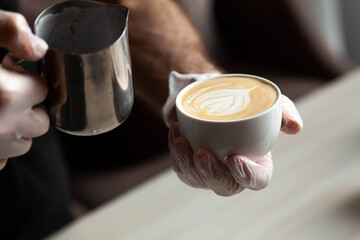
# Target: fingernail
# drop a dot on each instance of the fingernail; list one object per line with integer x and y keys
{"x": 40, "y": 47}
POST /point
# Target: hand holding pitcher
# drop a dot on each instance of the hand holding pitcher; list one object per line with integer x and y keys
{"x": 21, "y": 116}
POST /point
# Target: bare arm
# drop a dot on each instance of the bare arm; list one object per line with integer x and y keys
{"x": 162, "y": 39}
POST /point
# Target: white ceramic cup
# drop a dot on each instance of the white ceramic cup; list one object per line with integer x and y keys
{"x": 253, "y": 136}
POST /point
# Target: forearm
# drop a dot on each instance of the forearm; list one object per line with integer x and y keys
{"x": 161, "y": 40}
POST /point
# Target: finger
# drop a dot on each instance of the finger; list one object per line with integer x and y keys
{"x": 252, "y": 174}
{"x": 291, "y": 120}
{"x": 15, "y": 145}
{"x": 182, "y": 155}
{"x": 21, "y": 89}
{"x": 35, "y": 123}
{"x": 11, "y": 62}
{"x": 17, "y": 37}
{"x": 2, "y": 163}
{"x": 215, "y": 174}
{"x": 35, "y": 89}
{"x": 178, "y": 152}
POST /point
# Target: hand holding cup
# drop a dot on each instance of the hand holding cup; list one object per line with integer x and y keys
{"x": 229, "y": 155}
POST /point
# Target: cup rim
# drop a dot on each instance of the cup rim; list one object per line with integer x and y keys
{"x": 181, "y": 93}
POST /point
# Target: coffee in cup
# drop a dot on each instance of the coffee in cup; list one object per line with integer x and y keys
{"x": 228, "y": 98}
{"x": 230, "y": 114}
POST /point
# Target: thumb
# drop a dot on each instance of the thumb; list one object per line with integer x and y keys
{"x": 16, "y": 36}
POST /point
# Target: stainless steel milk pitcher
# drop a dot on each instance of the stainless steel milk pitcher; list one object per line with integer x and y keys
{"x": 87, "y": 66}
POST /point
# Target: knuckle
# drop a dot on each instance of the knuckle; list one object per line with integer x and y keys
{"x": 14, "y": 23}
{"x": 20, "y": 21}
{"x": 33, "y": 87}
{"x": 18, "y": 18}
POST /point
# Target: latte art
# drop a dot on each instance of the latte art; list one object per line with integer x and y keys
{"x": 229, "y": 98}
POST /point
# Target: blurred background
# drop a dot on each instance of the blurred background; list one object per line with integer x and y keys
{"x": 298, "y": 44}
{"x": 318, "y": 37}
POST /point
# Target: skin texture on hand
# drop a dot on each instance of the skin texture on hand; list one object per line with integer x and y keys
{"x": 21, "y": 116}
{"x": 201, "y": 169}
